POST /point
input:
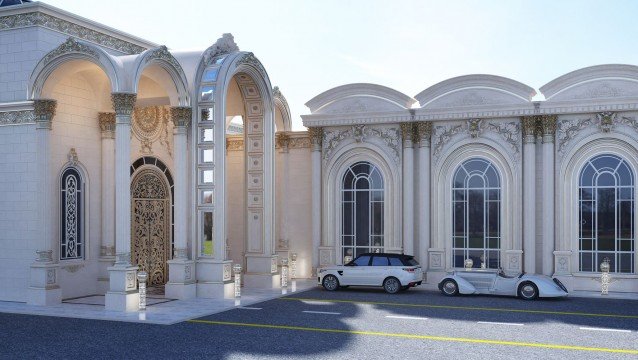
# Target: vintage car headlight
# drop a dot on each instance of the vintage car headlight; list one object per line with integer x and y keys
{"x": 560, "y": 285}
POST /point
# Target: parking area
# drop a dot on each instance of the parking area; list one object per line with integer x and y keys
{"x": 359, "y": 323}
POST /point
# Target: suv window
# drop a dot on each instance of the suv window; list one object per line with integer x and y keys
{"x": 379, "y": 261}
{"x": 410, "y": 262}
{"x": 363, "y": 260}
{"x": 395, "y": 261}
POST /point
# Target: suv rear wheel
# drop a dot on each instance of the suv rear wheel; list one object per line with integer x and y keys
{"x": 391, "y": 285}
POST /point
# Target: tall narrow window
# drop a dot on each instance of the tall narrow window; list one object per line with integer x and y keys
{"x": 362, "y": 210}
{"x": 72, "y": 196}
{"x": 476, "y": 214}
{"x": 606, "y": 215}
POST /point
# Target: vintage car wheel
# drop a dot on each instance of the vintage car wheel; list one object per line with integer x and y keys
{"x": 450, "y": 288}
{"x": 330, "y": 283}
{"x": 528, "y": 291}
{"x": 391, "y": 285}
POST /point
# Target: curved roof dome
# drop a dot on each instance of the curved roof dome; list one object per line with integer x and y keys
{"x": 13, "y": 2}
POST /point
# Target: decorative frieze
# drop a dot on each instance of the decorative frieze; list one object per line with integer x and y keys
{"x": 235, "y": 144}
{"x": 181, "y": 115}
{"x": 566, "y": 130}
{"x": 17, "y": 117}
{"x": 44, "y": 111}
{"x": 150, "y": 124}
{"x": 123, "y": 104}
{"x": 66, "y": 27}
{"x": 442, "y": 134}
{"x": 509, "y": 131}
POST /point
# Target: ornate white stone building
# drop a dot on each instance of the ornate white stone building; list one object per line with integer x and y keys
{"x": 117, "y": 154}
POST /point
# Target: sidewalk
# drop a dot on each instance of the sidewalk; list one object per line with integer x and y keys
{"x": 159, "y": 311}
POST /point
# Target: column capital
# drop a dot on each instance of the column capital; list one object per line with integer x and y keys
{"x": 316, "y": 137}
{"x": 407, "y": 132}
{"x": 423, "y": 133}
{"x": 44, "y": 111}
{"x": 548, "y": 127}
{"x": 123, "y": 103}
{"x": 283, "y": 140}
{"x": 181, "y": 115}
{"x": 107, "y": 124}
{"x": 530, "y": 127}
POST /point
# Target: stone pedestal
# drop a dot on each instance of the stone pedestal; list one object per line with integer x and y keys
{"x": 43, "y": 284}
{"x": 123, "y": 295}
{"x": 261, "y": 271}
{"x": 103, "y": 264}
{"x": 214, "y": 279}
{"x": 181, "y": 283}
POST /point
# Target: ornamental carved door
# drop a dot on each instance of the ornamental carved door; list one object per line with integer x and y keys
{"x": 150, "y": 225}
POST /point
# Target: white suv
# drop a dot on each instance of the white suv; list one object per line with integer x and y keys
{"x": 392, "y": 271}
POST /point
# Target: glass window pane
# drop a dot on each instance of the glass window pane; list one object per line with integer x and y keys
{"x": 606, "y": 179}
{"x": 207, "y": 135}
{"x": 475, "y": 166}
{"x": 348, "y": 214}
{"x": 459, "y": 219}
{"x": 493, "y": 226}
{"x": 492, "y": 177}
{"x": 207, "y": 155}
{"x": 380, "y": 261}
{"x": 362, "y": 260}
{"x": 587, "y": 262}
{"x": 207, "y": 176}
{"x": 587, "y": 176}
{"x": 210, "y": 75}
{"x": 459, "y": 178}
{"x": 458, "y": 258}
{"x": 207, "y": 234}
{"x": 377, "y": 217}
{"x": 395, "y": 261}
{"x": 625, "y": 219}
{"x": 207, "y": 197}
{"x": 362, "y": 184}
{"x": 608, "y": 162}
{"x": 626, "y": 263}
{"x": 476, "y": 182}
{"x": 207, "y": 114}
{"x": 207, "y": 93}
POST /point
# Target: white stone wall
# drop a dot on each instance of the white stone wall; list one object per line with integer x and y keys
{"x": 18, "y": 209}
{"x": 75, "y": 125}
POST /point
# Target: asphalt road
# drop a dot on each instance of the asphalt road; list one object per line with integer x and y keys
{"x": 349, "y": 324}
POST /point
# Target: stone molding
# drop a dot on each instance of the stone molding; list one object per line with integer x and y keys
{"x": 70, "y": 46}
{"x": 50, "y": 22}
{"x": 181, "y": 116}
{"x": 251, "y": 60}
{"x": 123, "y": 103}
{"x": 44, "y": 111}
{"x": 17, "y": 117}
{"x": 390, "y": 136}
{"x": 295, "y": 141}
{"x": 161, "y": 53}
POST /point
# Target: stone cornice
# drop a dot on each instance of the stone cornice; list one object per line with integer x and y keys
{"x": 52, "y": 18}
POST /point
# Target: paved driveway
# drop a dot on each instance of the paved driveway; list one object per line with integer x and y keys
{"x": 352, "y": 324}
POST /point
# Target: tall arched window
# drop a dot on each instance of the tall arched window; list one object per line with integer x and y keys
{"x": 476, "y": 215}
{"x": 606, "y": 214}
{"x": 362, "y": 210}
{"x": 72, "y": 207}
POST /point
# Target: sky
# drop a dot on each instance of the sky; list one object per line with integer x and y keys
{"x": 308, "y": 47}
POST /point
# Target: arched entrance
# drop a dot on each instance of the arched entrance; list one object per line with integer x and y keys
{"x": 151, "y": 219}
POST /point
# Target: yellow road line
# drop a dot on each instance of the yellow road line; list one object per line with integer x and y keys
{"x": 467, "y": 308}
{"x": 421, "y": 337}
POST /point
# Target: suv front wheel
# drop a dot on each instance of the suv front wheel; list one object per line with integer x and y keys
{"x": 330, "y": 282}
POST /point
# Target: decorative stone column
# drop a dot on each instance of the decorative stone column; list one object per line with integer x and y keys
{"x": 316, "y": 138}
{"x": 43, "y": 282}
{"x": 107, "y": 249}
{"x": 181, "y": 282}
{"x": 122, "y": 294}
{"x": 548, "y": 126}
{"x": 529, "y": 193}
{"x": 283, "y": 245}
{"x": 424, "y": 134}
{"x": 407, "y": 129}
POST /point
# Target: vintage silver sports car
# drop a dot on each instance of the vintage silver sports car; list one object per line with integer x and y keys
{"x": 496, "y": 282}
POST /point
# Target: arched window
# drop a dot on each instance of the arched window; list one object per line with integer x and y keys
{"x": 606, "y": 214}
{"x": 72, "y": 217}
{"x": 362, "y": 210}
{"x": 476, "y": 215}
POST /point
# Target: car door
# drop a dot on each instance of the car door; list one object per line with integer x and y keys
{"x": 354, "y": 273}
{"x": 483, "y": 281}
{"x": 379, "y": 268}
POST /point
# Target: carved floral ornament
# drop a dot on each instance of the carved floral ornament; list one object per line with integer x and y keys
{"x": 150, "y": 124}
{"x": 568, "y": 129}
{"x": 474, "y": 128}
{"x": 162, "y": 53}
{"x": 390, "y": 136}
{"x": 224, "y": 45}
{"x": 70, "y": 46}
